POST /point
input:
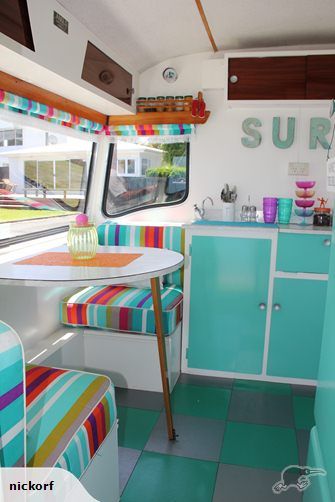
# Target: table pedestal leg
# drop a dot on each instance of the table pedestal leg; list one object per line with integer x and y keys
{"x": 157, "y": 303}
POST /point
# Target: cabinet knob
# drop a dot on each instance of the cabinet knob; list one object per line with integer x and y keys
{"x": 106, "y": 77}
{"x": 277, "y": 307}
{"x": 326, "y": 242}
{"x": 262, "y": 306}
{"x": 233, "y": 79}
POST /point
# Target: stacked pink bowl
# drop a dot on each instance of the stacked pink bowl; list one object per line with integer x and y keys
{"x": 305, "y": 202}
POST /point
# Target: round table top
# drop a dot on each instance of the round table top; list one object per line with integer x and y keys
{"x": 153, "y": 262}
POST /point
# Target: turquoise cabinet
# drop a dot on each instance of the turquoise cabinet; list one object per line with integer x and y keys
{"x": 322, "y": 444}
{"x": 296, "y": 328}
{"x": 307, "y": 253}
{"x": 228, "y": 296}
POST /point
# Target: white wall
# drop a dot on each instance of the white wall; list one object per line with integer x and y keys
{"x": 217, "y": 155}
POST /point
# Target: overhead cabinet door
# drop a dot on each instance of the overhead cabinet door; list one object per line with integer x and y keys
{"x": 267, "y": 78}
{"x": 102, "y": 72}
{"x": 320, "y": 81}
{"x": 229, "y": 289}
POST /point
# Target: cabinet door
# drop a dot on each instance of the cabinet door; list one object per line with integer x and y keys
{"x": 320, "y": 77}
{"x": 267, "y": 78}
{"x": 296, "y": 328}
{"x": 102, "y": 72}
{"x": 229, "y": 281}
{"x": 15, "y": 23}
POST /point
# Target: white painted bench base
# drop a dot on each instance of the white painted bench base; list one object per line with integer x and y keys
{"x": 101, "y": 478}
{"x": 131, "y": 361}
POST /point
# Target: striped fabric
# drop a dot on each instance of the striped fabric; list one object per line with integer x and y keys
{"x": 150, "y": 130}
{"x": 12, "y": 413}
{"x": 69, "y": 414}
{"x": 35, "y": 109}
{"x": 19, "y": 104}
{"x": 169, "y": 237}
{"x": 122, "y": 308}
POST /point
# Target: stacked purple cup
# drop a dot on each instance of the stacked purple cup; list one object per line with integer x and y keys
{"x": 270, "y": 209}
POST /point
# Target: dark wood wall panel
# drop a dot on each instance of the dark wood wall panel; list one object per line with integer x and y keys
{"x": 267, "y": 78}
{"x": 104, "y": 73}
{"x": 320, "y": 77}
{"x": 15, "y": 23}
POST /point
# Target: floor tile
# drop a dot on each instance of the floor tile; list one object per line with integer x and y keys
{"x": 226, "y": 383}
{"x": 127, "y": 461}
{"x": 257, "y": 386}
{"x": 303, "y": 442}
{"x": 197, "y": 437}
{"x": 139, "y": 399}
{"x": 166, "y": 478}
{"x": 244, "y": 484}
{"x": 303, "y": 408}
{"x": 260, "y": 446}
{"x": 261, "y": 408}
{"x": 199, "y": 401}
{"x": 135, "y": 426}
{"x": 303, "y": 390}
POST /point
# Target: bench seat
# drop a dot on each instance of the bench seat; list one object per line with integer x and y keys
{"x": 69, "y": 414}
{"x": 121, "y": 308}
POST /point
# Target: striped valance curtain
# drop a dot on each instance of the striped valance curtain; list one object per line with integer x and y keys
{"x": 25, "y": 106}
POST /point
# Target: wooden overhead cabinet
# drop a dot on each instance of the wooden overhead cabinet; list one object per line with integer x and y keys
{"x": 105, "y": 74}
{"x": 281, "y": 78}
{"x": 266, "y": 78}
{"x": 320, "y": 78}
{"x": 15, "y": 23}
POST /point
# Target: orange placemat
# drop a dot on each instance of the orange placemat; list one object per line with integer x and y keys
{"x": 66, "y": 260}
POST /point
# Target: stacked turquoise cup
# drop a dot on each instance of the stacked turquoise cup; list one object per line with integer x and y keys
{"x": 284, "y": 210}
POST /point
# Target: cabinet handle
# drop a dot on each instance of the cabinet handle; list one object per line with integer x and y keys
{"x": 262, "y": 306}
{"x": 277, "y": 307}
{"x": 326, "y": 242}
{"x": 233, "y": 79}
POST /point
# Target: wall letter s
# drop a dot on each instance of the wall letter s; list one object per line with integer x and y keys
{"x": 256, "y": 136}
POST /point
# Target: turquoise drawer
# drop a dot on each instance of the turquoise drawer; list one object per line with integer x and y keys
{"x": 303, "y": 253}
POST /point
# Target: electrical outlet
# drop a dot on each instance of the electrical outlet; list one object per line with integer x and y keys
{"x": 298, "y": 168}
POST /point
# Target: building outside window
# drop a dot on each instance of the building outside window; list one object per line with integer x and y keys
{"x": 42, "y": 175}
{"x": 11, "y": 137}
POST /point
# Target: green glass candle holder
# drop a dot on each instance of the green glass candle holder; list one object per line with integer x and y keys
{"x": 82, "y": 241}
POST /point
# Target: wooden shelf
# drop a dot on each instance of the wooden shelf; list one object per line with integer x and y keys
{"x": 157, "y": 118}
{"x": 22, "y": 88}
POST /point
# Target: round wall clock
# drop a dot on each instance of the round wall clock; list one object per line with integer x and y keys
{"x": 170, "y": 75}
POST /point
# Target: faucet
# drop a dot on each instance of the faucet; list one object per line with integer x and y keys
{"x": 201, "y": 212}
{"x": 203, "y": 204}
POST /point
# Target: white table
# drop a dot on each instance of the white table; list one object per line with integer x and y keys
{"x": 152, "y": 264}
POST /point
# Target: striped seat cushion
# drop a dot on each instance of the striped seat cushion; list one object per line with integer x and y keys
{"x": 168, "y": 237}
{"x": 12, "y": 443}
{"x": 69, "y": 414}
{"x": 121, "y": 308}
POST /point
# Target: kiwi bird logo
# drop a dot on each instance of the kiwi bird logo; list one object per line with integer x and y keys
{"x": 296, "y": 476}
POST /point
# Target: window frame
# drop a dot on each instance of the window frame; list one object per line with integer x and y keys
{"x": 149, "y": 206}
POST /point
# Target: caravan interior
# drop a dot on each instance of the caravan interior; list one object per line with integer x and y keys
{"x": 167, "y": 260}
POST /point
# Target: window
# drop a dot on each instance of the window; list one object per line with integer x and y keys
{"x": 42, "y": 175}
{"x": 145, "y": 164}
{"x": 142, "y": 176}
{"x": 126, "y": 167}
{"x": 11, "y": 137}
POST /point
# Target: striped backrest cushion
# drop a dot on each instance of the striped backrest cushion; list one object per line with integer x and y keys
{"x": 12, "y": 402}
{"x": 169, "y": 237}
